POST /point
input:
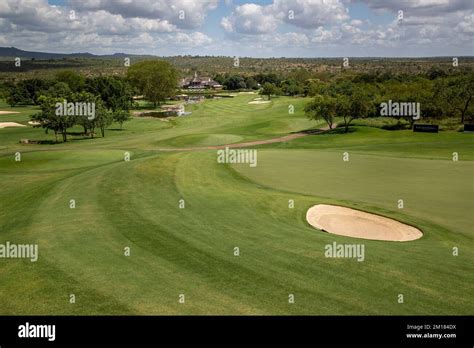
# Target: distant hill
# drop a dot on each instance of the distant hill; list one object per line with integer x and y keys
{"x": 16, "y": 52}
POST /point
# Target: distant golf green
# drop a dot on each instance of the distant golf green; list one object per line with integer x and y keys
{"x": 190, "y": 249}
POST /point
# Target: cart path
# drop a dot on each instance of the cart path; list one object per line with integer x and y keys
{"x": 252, "y": 143}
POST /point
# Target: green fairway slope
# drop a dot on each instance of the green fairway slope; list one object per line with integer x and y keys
{"x": 136, "y": 204}
{"x": 213, "y": 122}
{"x": 375, "y": 180}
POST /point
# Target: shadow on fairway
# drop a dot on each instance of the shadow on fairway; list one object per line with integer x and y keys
{"x": 338, "y": 130}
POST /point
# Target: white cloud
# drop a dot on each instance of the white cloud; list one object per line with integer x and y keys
{"x": 287, "y": 27}
{"x": 466, "y": 25}
{"x": 227, "y": 24}
{"x": 310, "y": 13}
{"x": 321, "y": 35}
{"x": 195, "y": 39}
{"x": 185, "y": 14}
{"x": 421, "y": 7}
{"x": 257, "y": 19}
{"x": 34, "y": 15}
{"x": 34, "y": 24}
{"x": 250, "y": 19}
{"x": 356, "y": 22}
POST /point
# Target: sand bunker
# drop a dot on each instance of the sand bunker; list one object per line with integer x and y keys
{"x": 355, "y": 223}
{"x": 10, "y": 124}
{"x": 8, "y": 112}
{"x": 260, "y": 102}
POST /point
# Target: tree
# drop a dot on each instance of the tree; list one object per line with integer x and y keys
{"x": 278, "y": 91}
{"x": 414, "y": 90}
{"x": 25, "y": 91}
{"x": 220, "y": 78}
{"x": 356, "y": 105}
{"x": 322, "y": 107}
{"x": 314, "y": 87}
{"x": 268, "y": 89}
{"x": 50, "y": 120}
{"x": 114, "y": 92}
{"x": 272, "y": 78}
{"x": 33, "y": 89}
{"x": 103, "y": 117}
{"x": 251, "y": 83}
{"x": 435, "y": 72}
{"x": 456, "y": 95}
{"x": 75, "y": 81}
{"x": 155, "y": 79}
{"x": 16, "y": 94}
{"x": 300, "y": 76}
{"x": 235, "y": 82}
{"x": 59, "y": 90}
{"x": 352, "y": 101}
{"x": 121, "y": 116}
{"x": 87, "y": 123}
{"x": 291, "y": 87}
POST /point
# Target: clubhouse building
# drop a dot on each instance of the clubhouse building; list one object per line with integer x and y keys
{"x": 199, "y": 82}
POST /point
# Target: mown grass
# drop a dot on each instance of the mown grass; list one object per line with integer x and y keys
{"x": 191, "y": 251}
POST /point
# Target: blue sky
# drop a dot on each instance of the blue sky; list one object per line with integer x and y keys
{"x": 259, "y": 28}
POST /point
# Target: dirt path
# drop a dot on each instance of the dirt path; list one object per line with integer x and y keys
{"x": 251, "y": 143}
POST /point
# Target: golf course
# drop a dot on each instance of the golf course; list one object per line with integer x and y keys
{"x": 168, "y": 221}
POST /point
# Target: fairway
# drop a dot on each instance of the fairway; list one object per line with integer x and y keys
{"x": 182, "y": 214}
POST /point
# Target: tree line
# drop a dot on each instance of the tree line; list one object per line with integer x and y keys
{"x": 361, "y": 96}
{"x": 349, "y": 95}
{"x": 291, "y": 84}
{"x": 112, "y": 96}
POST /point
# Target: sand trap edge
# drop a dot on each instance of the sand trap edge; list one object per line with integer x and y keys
{"x": 416, "y": 232}
{"x": 10, "y": 125}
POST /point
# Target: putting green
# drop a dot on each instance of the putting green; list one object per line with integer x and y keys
{"x": 376, "y": 181}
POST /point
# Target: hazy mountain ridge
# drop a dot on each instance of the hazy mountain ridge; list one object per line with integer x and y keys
{"x": 16, "y": 52}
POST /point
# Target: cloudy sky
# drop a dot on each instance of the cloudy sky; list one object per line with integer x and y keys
{"x": 257, "y": 28}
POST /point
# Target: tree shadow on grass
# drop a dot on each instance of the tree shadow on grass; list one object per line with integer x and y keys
{"x": 41, "y": 142}
{"x": 83, "y": 138}
{"x": 341, "y": 130}
{"x": 46, "y": 142}
{"x": 337, "y": 130}
{"x": 53, "y": 142}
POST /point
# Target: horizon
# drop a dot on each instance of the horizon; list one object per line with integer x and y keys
{"x": 241, "y": 57}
